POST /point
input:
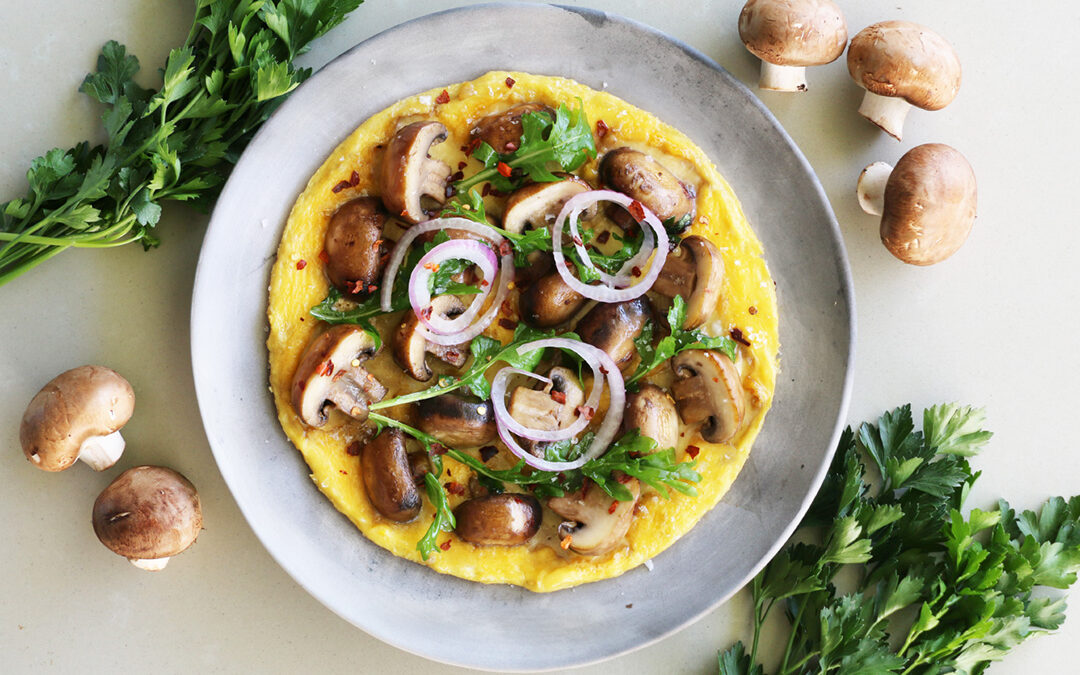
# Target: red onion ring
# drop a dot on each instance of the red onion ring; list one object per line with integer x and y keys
{"x": 605, "y": 292}
{"x": 420, "y": 295}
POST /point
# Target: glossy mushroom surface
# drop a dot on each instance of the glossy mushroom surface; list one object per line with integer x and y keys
{"x": 506, "y": 519}
{"x": 595, "y": 522}
{"x": 643, "y": 178}
{"x": 693, "y": 271}
{"x": 708, "y": 390}
{"x": 388, "y": 477}
{"x": 456, "y": 421}
{"x": 409, "y": 174}
{"x": 502, "y": 131}
{"x": 549, "y": 301}
{"x": 410, "y": 346}
{"x": 612, "y": 327}
{"x": 549, "y": 407}
{"x": 651, "y": 411}
{"x": 353, "y": 246}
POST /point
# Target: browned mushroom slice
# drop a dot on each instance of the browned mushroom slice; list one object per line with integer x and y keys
{"x": 549, "y": 301}
{"x": 410, "y": 347}
{"x": 593, "y": 526}
{"x": 457, "y": 422}
{"x": 352, "y": 245}
{"x": 388, "y": 477}
{"x": 537, "y": 205}
{"x": 502, "y": 131}
{"x": 552, "y": 407}
{"x": 408, "y": 173}
{"x": 612, "y": 328}
{"x": 694, "y": 272}
{"x": 506, "y": 519}
{"x": 651, "y": 411}
{"x": 330, "y": 374}
{"x": 708, "y": 389}
{"x": 641, "y": 177}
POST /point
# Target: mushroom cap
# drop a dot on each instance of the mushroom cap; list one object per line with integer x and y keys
{"x": 148, "y": 512}
{"x": 388, "y": 477}
{"x": 708, "y": 389}
{"x": 457, "y": 421}
{"x": 408, "y": 173}
{"x": 327, "y": 357}
{"x": 793, "y": 32}
{"x": 594, "y": 527}
{"x": 540, "y": 203}
{"x": 612, "y": 327}
{"x": 73, "y": 406}
{"x": 410, "y": 346}
{"x": 506, "y": 519}
{"x": 651, "y": 411}
{"x": 930, "y": 202}
{"x": 695, "y": 273}
{"x": 549, "y": 301}
{"x": 641, "y": 177}
{"x": 905, "y": 60}
{"x": 352, "y": 244}
{"x": 502, "y": 131}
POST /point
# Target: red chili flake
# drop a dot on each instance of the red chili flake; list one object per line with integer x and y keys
{"x": 507, "y": 324}
{"x": 737, "y": 336}
{"x": 622, "y": 477}
{"x": 630, "y": 605}
{"x": 577, "y": 240}
{"x": 438, "y": 448}
{"x": 565, "y": 543}
{"x": 452, "y": 355}
{"x": 372, "y": 288}
{"x": 504, "y": 169}
{"x": 339, "y": 374}
{"x": 433, "y": 266}
{"x": 558, "y": 396}
{"x": 510, "y": 83}
{"x": 343, "y": 471}
{"x": 426, "y": 313}
{"x": 443, "y": 97}
{"x": 752, "y": 310}
{"x": 327, "y": 368}
{"x": 693, "y": 451}
{"x": 636, "y": 271}
{"x": 457, "y": 176}
{"x": 445, "y": 545}
{"x": 614, "y": 505}
{"x": 301, "y": 318}
{"x": 483, "y": 282}
{"x": 354, "y": 179}
{"x": 353, "y": 449}
{"x": 601, "y": 129}
{"x": 603, "y": 237}
{"x": 636, "y": 210}
{"x": 603, "y": 370}
{"x": 487, "y": 452}
{"x": 716, "y": 379}
{"x": 301, "y": 264}
{"x": 338, "y": 187}
{"x": 586, "y": 411}
{"x": 454, "y": 488}
{"x": 510, "y": 146}
{"x": 377, "y": 243}
{"x": 324, "y": 257}
{"x": 505, "y": 248}
{"x": 486, "y": 190}
{"x": 472, "y": 146}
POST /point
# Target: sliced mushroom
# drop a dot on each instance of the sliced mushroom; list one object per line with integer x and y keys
{"x": 552, "y": 407}
{"x": 330, "y": 374}
{"x": 549, "y": 301}
{"x": 612, "y": 328}
{"x": 77, "y": 415}
{"x": 388, "y": 476}
{"x": 592, "y": 524}
{"x": 456, "y": 421}
{"x": 409, "y": 173}
{"x": 410, "y": 347}
{"x": 694, "y": 271}
{"x": 507, "y": 519}
{"x": 537, "y": 205}
{"x": 652, "y": 412}
{"x": 502, "y": 131}
{"x": 353, "y": 245}
{"x": 641, "y": 177}
{"x": 708, "y": 389}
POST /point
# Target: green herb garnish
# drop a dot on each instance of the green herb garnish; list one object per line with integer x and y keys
{"x": 680, "y": 340}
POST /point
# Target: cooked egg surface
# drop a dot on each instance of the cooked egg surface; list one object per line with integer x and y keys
{"x": 748, "y": 303}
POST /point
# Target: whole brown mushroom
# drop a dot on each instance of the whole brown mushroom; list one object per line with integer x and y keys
{"x": 612, "y": 327}
{"x": 927, "y": 203}
{"x": 502, "y": 131}
{"x": 456, "y": 421}
{"x": 388, "y": 477}
{"x": 641, "y": 177}
{"x": 352, "y": 245}
{"x": 549, "y": 302}
{"x": 507, "y": 519}
{"x": 789, "y": 35}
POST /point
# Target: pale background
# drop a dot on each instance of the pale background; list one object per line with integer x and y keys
{"x": 995, "y": 326}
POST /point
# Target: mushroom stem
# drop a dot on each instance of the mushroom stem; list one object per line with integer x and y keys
{"x": 887, "y": 112}
{"x": 101, "y": 452}
{"x": 782, "y": 78}
{"x": 150, "y": 564}
{"x": 871, "y": 189}
{"x": 350, "y": 393}
{"x": 435, "y": 174}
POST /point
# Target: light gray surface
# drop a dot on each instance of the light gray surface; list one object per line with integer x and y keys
{"x": 384, "y": 595}
{"x": 995, "y": 325}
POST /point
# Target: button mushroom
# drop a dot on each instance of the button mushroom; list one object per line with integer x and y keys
{"x": 538, "y": 204}
{"x": 708, "y": 389}
{"x": 549, "y": 301}
{"x": 641, "y": 177}
{"x": 352, "y": 245}
{"x": 789, "y": 35}
{"x": 330, "y": 374}
{"x": 902, "y": 64}
{"x": 456, "y": 421}
{"x": 595, "y": 523}
{"x": 694, "y": 272}
{"x": 652, "y": 412}
{"x": 612, "y": 328}
{"x": 506, "y": 519}
{"x": 148, "y": 514}
{"x": 77, "y": 415}
{"x": 552, "y": 407}
{"x": 409, "y": 173}
{"x": 927, "y": 203}
{"x": 388, "y": 477}
{"x": 502, "y": 131}
{"x": 411, "y": 347}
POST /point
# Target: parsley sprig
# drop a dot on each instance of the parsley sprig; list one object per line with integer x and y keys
{"x": 937, "y": 591}
{"x": 678, "y": 341}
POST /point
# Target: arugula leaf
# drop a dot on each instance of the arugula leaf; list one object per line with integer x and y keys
{"x": 444, "y": 518}
{"x": 678, "y": 341}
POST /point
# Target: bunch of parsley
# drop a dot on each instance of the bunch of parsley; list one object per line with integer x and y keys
{"x": 173, "y": 144}
{"x": 934, "y": 591}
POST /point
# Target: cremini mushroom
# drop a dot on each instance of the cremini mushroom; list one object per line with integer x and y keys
{"x": 651, "y": 411}
{"x": 549, "y": 301}
{"x": 902, "y": 64}
{"x": 388, "y": 476}
{"x": 353, "y": 246}
{"x": 330, "y": 374}
{"x": 708, "y": 389}
{"x": 148, "y": 514}
{"x": 549, "y": 408}
{"x": 536, "y": 205}
{"x": 506, "y": 519}
{"x": 694, "y": 271}
{"x": 595, "y": 523}
{"x": 411, "y": 347}
{"x": 502, "y": 131}
{"x": 927, "y": 203}
{"x": 457, "y": 421}
{"x": 612, "y": 328}
{"x": 409, "y": 173}
{"x": 77, "y": 415}
{"x": 641, "y": 177}
{"x": 789, "y": 35}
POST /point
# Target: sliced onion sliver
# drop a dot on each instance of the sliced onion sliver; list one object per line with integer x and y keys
{"x": 420, "y": 295}
{"x": 612, "y": 419}
{"x": 605, "y": 291}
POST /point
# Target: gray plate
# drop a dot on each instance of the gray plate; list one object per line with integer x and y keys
{"x": 501, "y": 627}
